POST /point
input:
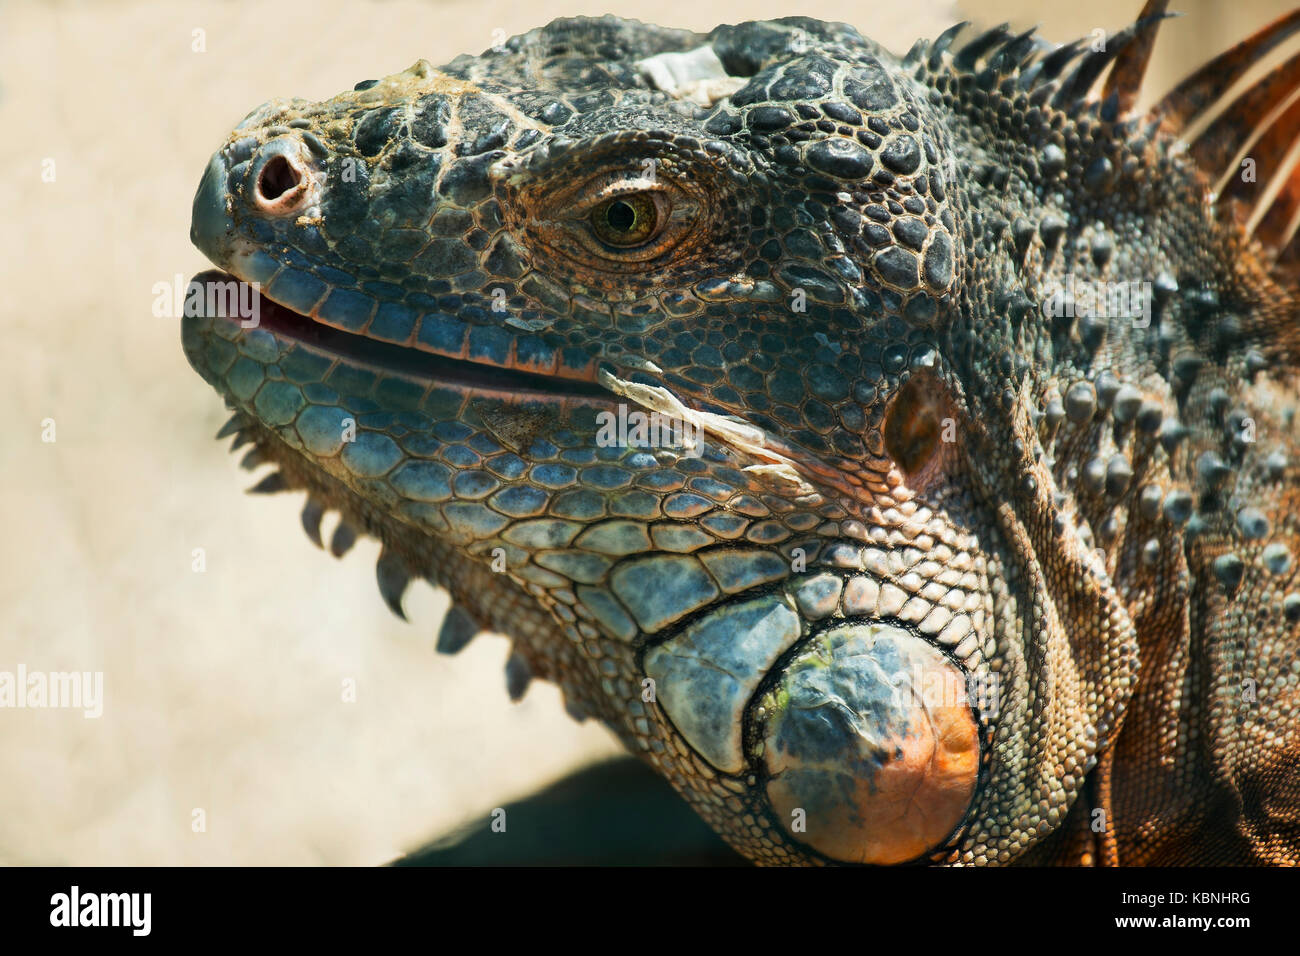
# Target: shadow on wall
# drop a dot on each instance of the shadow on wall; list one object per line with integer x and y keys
{"x": 618, "y": 812}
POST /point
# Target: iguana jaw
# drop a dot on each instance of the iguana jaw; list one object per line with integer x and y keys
{"x": 420, "y": 365}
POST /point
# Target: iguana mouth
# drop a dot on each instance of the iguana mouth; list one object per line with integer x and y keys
{"x": 417, "y": 363}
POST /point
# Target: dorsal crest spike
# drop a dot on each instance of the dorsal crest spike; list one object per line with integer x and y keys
{"x": 943, "y": 41}
{"x": 1200, "y": 91}
{"x": 970, "y": 54}
{"x": 1015, "y": 51}
{"x": 1058, "y": 59}
{"x": 1126, "y": 76}
{"x": 1080, "y": 82}
{"x": 1241, "y": 122}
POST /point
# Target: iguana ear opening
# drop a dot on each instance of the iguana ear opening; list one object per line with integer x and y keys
{"x": 920, "y": 429}
{"x": 912, "y": 426}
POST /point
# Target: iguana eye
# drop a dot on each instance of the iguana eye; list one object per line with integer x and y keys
{"x": 626, "y": 221}
{"x": 623, "y": 220}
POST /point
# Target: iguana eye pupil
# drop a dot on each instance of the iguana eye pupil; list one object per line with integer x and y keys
{"x": 620, "y": 216}
{"x": 626, "y": 221}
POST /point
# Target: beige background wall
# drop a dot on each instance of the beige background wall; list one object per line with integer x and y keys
{"x": 223, "y": 689}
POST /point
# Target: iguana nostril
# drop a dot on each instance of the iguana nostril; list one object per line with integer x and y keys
{"x": 278, "y": 177}
{"x": 872, "y": 748}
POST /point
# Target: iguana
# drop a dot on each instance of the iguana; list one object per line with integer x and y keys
{"x": 897, "y": 454}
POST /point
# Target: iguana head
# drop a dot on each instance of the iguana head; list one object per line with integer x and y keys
{"x": 713, "y": 370}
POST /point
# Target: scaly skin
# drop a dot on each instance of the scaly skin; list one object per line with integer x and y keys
{"x": 916, "y": 470}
